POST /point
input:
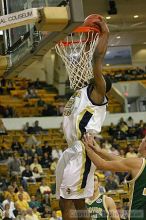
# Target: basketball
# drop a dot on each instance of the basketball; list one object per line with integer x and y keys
{"x": 92, "y": 21}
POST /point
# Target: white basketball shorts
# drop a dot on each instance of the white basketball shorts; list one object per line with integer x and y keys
{"x": 75, "y": 173}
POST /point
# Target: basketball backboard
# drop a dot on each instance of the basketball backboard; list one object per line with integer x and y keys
{"x": 25, "y": 44}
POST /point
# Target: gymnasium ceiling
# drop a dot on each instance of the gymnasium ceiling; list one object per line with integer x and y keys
{"x": 124, "y": 28}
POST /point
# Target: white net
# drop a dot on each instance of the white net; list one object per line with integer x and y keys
{"x": 76, "y": 52}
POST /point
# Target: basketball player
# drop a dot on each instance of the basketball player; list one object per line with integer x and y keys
{"x": 101, "y": 207}
{"x": 84, "y": 112}
{"x": 136, "y": 168}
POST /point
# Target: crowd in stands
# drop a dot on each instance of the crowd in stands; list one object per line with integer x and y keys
{"x": 31, "y": 163}
{"x": 126, "y": 74}
{"x": 21, "y": 98}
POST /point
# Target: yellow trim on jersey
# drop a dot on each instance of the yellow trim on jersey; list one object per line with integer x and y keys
{"x": 131, "y": 198}
{"x": 82, "y": 169}
{"x": 90, "y": 201}
{"x": 132, "y": 184}
{"x": 80, "y": 118}
{"x": 105, "y": 207}
{"x": 139, "y": 173}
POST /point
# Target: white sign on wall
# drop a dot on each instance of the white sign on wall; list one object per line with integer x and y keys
{"x": 19, "y": 18}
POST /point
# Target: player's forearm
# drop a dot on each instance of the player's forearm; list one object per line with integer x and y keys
{"x": 97, "y": 160}
{"x": 107, "y": 156}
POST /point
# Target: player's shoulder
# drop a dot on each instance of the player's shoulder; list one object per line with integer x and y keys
{"x": 108, "y": 200}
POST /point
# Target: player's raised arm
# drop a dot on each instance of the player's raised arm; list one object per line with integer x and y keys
{"x": 101, "y": 152}
{"x": 123, "y": 165}
{"x": 100, "y": 89}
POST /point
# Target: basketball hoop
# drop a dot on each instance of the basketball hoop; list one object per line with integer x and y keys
{"x": 76, "y": 51}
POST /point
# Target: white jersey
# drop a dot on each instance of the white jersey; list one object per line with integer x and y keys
{"x": 82, "y": 115}
{"x": 75, "y": 171}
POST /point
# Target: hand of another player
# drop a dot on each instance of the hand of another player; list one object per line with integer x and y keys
{"x": 89, "y": 142}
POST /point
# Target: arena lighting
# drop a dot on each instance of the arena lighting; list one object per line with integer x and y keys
{"x": 112, "y": 7}
{"x": 108, "y": 17}
{"x": 136, "y": 16}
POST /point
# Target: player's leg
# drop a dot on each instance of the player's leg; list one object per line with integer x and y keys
{"x": 81, "y": 209}
{"x": 63, "y": 161}
{"x": 68, "y": 209}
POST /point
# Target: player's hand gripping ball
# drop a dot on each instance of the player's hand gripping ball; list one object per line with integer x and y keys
{"x": 93, "y": 21}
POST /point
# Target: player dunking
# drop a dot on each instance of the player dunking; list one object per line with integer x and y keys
{"x": 84, "y": 113}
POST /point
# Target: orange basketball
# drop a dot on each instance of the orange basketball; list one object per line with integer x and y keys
{"x": 92, "y": 21}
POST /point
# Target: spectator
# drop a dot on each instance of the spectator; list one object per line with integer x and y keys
{"x": 21, "y": 204}
{"x": 3, "y": 183}
{"x": 49, "y": 110}
{"x": 124, "y": 128}
{"x": 9, "y": 112}
{"x": 121, "y": 153}
{"x": 46, "y": 160}
{"x": 3, "y": 154}
{"x": 28, "y": 129}
{"x": 107, "y": 145}
{"x": 9, "y": 193}
{"x": 143, "y": 131}
{"x": 131, "y": 152}
{"x": 8, "y": 213}
{"x": 36, "y": 164}
{"x": 35, "y": 211}
{"x": 27, "y": 158}
{"x": 30, "y": 215}
{"x": 34, "y": 203}
{"x": 16, "y": 146}
{"x": 14, "y": 165}
{"x": 114, "y": 151}
{"x": 24, "y": 194}
{"x": 45, "y": 191}
{"x": 53, "y": 165}
{"x": 111, "y": 184}
{"x": 36, "y": 174}
{"x": 22, "y": 166}
{"x": 3, "y": 82}
{"x": 37, "y": 84}
{"x": 139, "y": 128}
{"x": 2, "y": 128}
{"x": 40, "y": 103}
{"x": 15, "y": 186}
{"x": 37, "y": 129}
{"x": 27, "y": 176}
{"x": 46, "y": 148}
{"x": 30, "y": 93}
{"x": 10, "y": 202}
{"x": 46, "y": 213}
{"x": 112, "y": 130}
{"x": 130, "y": 122}
{"x": 60, "y": 109}
{"x": 56, "y": 153}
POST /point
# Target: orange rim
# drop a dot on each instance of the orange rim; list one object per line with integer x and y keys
{"x": 81, "y": 29}
{"x": 86, "y": 29}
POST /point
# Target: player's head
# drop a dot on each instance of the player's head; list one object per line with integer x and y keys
{"x": 107, "y": 82}
{"x": 96, "y": 183}
{"x": 142, "y": 147}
